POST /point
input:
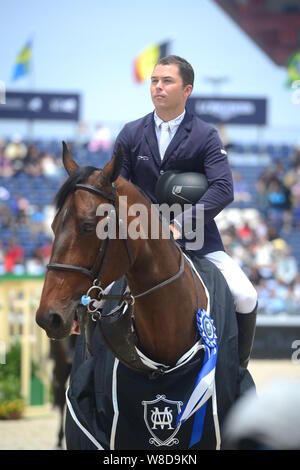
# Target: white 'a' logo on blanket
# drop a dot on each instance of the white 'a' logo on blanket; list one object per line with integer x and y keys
{"x": 160, "y": 416}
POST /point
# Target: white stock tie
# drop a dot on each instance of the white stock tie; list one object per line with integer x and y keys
{"x": 164, "y": 138}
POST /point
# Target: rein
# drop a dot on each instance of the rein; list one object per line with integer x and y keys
{"x": 93, "y": 304}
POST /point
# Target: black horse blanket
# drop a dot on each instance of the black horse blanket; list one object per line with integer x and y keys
{"x": 113, "y": 407}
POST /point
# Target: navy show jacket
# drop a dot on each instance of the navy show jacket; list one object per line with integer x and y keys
{"x": 196, "y": 147}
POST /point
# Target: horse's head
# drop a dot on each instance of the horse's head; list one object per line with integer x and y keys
{"x": 76, "y": 253}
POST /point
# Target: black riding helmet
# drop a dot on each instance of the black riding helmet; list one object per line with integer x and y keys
{"x": 181, "y": 188}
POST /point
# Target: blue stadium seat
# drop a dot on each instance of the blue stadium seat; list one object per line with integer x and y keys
{"x": 40, "y": 190}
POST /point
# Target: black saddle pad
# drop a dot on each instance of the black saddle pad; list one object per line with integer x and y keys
{"x": 125, "y": 410}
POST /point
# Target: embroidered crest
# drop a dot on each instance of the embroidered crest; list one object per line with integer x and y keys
{"x": 143, "y": 157}
{"x": 160, "y": 416}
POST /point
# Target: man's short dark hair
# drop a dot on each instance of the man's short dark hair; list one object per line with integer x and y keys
{"x": 186, "y": 71}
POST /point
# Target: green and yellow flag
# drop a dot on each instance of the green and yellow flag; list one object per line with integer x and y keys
{"x": 146, "y": 60}
{"x": 293, "y": 68}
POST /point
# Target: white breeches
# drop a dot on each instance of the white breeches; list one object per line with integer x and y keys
{"x": 243, "y": 292}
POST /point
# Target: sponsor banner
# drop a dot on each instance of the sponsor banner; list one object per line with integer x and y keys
{"x": 217, "y": 110}
{"x": 41, "y": 106}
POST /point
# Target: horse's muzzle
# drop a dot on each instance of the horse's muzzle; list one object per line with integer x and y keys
{"x": 54, "y": 324}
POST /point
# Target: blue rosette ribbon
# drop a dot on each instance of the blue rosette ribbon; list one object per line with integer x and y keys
{"x": 205, "y": 383}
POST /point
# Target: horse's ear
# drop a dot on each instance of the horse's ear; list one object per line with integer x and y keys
{"x": 114, "y": 166}
{"x": 68, "y": 161}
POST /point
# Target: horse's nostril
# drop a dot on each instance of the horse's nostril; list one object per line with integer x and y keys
{"x": 54, "y": 321}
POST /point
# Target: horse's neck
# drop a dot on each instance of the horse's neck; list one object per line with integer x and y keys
{"x": 165, "y": 318}
{"x": 157, "y": 260}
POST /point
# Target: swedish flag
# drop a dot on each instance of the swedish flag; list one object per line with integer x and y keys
{"x": 293, "y": 68}
{"x": 146, "y": 60}
{"x": 22, "y": 65}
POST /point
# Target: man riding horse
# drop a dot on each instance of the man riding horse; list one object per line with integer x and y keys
{"x": 164, "y": 347}
{"x": 170, "y": 138}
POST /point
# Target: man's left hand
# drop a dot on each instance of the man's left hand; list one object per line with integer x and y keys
{"x": 175, "y": 231}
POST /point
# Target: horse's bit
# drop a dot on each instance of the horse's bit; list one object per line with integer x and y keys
{"x": 92, "y": 305}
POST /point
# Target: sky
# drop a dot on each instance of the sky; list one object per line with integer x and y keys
{"x": 88, "y": 46}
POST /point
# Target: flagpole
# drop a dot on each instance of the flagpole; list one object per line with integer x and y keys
{"x": 31, "y": 88}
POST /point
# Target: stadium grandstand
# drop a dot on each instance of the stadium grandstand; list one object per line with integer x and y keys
{"x": 261, "y": 228}
{"x": 273, "y": 25}
{"x": 78, "y": 72}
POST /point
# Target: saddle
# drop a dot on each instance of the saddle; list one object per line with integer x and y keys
{"x": 118, "y": 332}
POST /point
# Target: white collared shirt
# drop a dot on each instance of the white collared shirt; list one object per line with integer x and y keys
{"x": 173, "y": 125}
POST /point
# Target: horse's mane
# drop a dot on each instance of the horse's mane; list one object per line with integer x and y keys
{"x": 80, "y": 175}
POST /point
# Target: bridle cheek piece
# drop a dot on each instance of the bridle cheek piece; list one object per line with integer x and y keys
{"x": 94, "y": 273}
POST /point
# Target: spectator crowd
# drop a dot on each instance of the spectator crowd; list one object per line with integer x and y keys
{"x": 267, "y": 260}
{"x": 257, "y": 244}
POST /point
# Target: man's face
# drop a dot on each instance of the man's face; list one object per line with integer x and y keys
{"x": 167, "y": 90}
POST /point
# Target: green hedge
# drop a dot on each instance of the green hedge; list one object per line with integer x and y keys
{"x": 23, "y": 277}
{"x": 11, "y": 401}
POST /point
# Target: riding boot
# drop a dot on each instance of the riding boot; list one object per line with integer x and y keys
{"x": 246, "y": 332}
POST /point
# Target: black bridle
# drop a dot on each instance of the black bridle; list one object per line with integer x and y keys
{"x": 92, "y": 273}
{"x": 96, "y": 274}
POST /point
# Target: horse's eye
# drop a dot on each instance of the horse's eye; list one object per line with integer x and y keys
{"x": 87, "y": 227}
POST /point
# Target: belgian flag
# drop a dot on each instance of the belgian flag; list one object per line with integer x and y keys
{"x": 146, "y": 60}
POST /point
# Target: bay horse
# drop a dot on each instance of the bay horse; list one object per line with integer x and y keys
{"x": 165, "y": 294}
{"x": 163, "y": 338}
